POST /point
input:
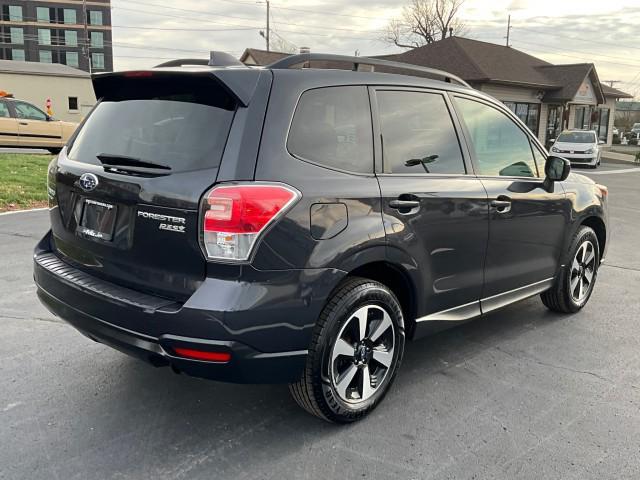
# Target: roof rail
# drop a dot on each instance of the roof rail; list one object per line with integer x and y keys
{"x": 293, "y": 60}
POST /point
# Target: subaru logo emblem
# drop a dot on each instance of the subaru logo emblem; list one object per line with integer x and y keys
{"x": 88, "y": 181}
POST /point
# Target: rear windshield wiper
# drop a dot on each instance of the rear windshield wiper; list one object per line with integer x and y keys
{"x": 109, "y": 160}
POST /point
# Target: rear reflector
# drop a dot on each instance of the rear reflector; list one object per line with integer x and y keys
{"x": 203, "y": 355}
{"x": 234, "y": 216}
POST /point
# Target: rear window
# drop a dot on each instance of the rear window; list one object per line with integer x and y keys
{"x": 332, "y": 127}
{"x": 182, "y": 123}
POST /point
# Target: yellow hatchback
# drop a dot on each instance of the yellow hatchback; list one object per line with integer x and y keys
{"x": 24, "y": 125}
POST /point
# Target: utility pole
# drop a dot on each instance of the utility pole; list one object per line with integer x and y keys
{"x": 268, "y": 27}
{"x": 508, "y": 30}
{"x": 85, "y": 48}
{"x": 612, "y": 82}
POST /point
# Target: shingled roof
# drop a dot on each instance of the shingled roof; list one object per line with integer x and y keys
{"x": 483, "y": 62}
{"x": 261, "y": 57}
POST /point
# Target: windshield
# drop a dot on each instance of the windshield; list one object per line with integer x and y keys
{"x": 577, "y": 137}
{"x": 179, "y": 130}
{"x": 636, "y": 126}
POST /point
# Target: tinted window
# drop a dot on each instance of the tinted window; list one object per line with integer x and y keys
{"x": 418, "y": 134}
{"x": 28, "y": 111}
{"x": 332, "y": 126}
{"x": 4, "y": 110}
{"x": 179, "y": 123}
{"x": 501, "y": 148}
{"x": 577, "y": 137}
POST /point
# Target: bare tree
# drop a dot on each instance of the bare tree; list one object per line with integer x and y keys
{"x": 425, "y": 21}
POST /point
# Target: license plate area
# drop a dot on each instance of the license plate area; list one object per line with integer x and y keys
{"x": 97, "y": 220}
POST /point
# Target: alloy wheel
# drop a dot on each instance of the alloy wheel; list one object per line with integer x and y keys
{"x": 362, "y": 354}
{"x": 583, "y": 269}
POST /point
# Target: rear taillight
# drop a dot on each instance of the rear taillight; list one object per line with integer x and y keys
{"x": 234, "y": 216}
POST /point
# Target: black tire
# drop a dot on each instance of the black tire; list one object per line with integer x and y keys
{"x": 315, "y": 391}
{"x": 561, "y": 297}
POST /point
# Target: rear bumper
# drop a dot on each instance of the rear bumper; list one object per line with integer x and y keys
{"x": 266, "y": 332}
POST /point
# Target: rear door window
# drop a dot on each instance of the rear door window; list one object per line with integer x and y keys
{"x": 418, "y": 134}
{"x": 182, "y": 123}
{"x": 332, "y": 127}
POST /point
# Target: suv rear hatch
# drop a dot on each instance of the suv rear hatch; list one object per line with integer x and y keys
{"x": 129, "y": 184}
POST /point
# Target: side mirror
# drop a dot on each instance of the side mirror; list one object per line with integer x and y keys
{"x": 557, "y": 169}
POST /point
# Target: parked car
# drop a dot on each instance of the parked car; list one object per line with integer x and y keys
{"x": 615, "y": 131}
{"x": 25, "y": 125}
{"x": 635, "y": 130}
{"x": 298, "y": 225}
{"x": 579, "y": 147}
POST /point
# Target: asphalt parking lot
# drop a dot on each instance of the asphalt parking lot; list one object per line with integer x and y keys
{"x": 521, "y": 393}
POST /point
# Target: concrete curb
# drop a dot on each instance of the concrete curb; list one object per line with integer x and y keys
{"x": 13, "y": 212}
{"x": 614, "y": 157}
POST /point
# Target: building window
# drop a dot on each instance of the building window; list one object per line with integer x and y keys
{"x": 73, "y": 104}
{"x": 17, "y": 36}
{"x": 97, "y": 61}
{"x": 45, "y": 56}
{"x": 44, "y": 37}
{"x": 15, "y": 13}
{"x": 72, "y": 59}
{"x": 43, "y": 14}
{"x": 70, "y": 16}
{"x": 95, "y": 17}
{"x": 97, "y": 39}
{"x": 17, "y": 54}
{"x": 71, "y": 38}
{"x": 529, "y": 113}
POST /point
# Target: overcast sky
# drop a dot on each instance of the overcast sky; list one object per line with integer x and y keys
{"x": 605, "y": 32}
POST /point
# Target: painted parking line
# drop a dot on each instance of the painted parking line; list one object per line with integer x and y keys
{"x": 611, "y": 172}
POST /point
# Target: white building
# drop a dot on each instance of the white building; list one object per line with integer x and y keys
{"x": 69, "y": 89}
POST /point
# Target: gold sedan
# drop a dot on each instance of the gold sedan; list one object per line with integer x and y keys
{"x": 25, "y": 125}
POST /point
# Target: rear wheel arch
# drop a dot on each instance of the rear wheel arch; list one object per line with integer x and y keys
{"x": 398, "y": 281}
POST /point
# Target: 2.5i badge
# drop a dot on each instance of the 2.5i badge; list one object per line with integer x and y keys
{"x": 168, "y": 223}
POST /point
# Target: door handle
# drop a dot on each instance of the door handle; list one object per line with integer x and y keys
{"x": 24, "y": 123}
{"x": 502, "y": 204}
{"x": 404, "y": 204}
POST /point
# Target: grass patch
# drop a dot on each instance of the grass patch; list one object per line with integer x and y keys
{"x": 23, "y": 181}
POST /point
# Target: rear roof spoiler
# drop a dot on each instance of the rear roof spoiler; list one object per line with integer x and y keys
{"x": 240, "y": 83}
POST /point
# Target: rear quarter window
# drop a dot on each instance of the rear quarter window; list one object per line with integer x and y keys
{"x": 332, "y": 127}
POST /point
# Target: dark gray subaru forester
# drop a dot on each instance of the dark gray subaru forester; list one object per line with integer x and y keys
{"x": 296, "y": 225}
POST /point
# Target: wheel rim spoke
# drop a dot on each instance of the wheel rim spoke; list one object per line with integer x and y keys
{"x": 366, "y": 390}
{"x": 342, "y": 348}
{"x": 382, "y": 327}
{"x": 383, "y": 357}
{"x": 345, "y": 380}
{"x": 588, "y": 275}
{"x": 362, "y": 316}
{"x": 590, "y": 256}
{"x": 574, "y": 282}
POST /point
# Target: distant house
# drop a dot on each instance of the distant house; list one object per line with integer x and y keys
{"x": 254, "y": 56}
{"x": 546, "y": 97}
{"x": 70, "y": 89}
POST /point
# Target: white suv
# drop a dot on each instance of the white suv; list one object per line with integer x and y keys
{"x": 579, "y": 147}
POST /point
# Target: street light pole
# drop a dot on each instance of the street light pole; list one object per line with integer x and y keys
{"x": 268, "y": 27}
